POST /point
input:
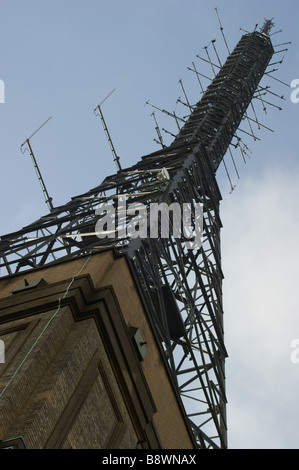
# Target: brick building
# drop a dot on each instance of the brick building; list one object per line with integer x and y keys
{"x": 83, "y": 367}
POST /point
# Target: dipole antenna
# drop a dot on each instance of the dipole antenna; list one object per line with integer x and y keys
{"x": 221, "y": 29}
{"x": 40, "y": 178}
{"x": 98, "y": 108}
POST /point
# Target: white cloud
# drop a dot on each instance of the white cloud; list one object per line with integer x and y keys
{"x": 260, "y": 263}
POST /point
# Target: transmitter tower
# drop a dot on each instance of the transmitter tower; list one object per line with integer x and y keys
{"x": 182, "y": 287}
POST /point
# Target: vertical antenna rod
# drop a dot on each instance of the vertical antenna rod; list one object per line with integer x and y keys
{"x": 158, "y": 131}
{"x": 40, "y": 178}
{"x": 115, "y": 157}
{"x": 221, "y": 29}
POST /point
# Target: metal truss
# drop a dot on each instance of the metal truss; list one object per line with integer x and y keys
{"x": 182, "y": 286}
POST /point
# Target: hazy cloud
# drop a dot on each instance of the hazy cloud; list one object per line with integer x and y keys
{"x": 260, "y": 262}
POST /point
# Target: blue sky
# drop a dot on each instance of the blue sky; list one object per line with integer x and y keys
{"x": 60, "y": 58}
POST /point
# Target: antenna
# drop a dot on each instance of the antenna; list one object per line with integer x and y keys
{"x": 188, "y": 104}
{"x": 158, "y": 131}
{"x": 40, "y": 178}
{"x": 115, "y": 157}
{"x": 167, "y": 112}
{"x": 267, "y": 26}
{"x": 221, "y": 29}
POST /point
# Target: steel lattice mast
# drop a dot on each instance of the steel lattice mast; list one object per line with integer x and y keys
{"x": 182, "y": 287}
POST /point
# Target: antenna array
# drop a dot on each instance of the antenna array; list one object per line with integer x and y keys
{"x": 48, "y": 199}
{"x": 250, "y": 123}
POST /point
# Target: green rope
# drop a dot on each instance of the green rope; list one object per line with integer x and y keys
{"x": 45, "y": 328}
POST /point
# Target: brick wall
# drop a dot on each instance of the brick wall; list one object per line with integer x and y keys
{"x": 83, "y": 384}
